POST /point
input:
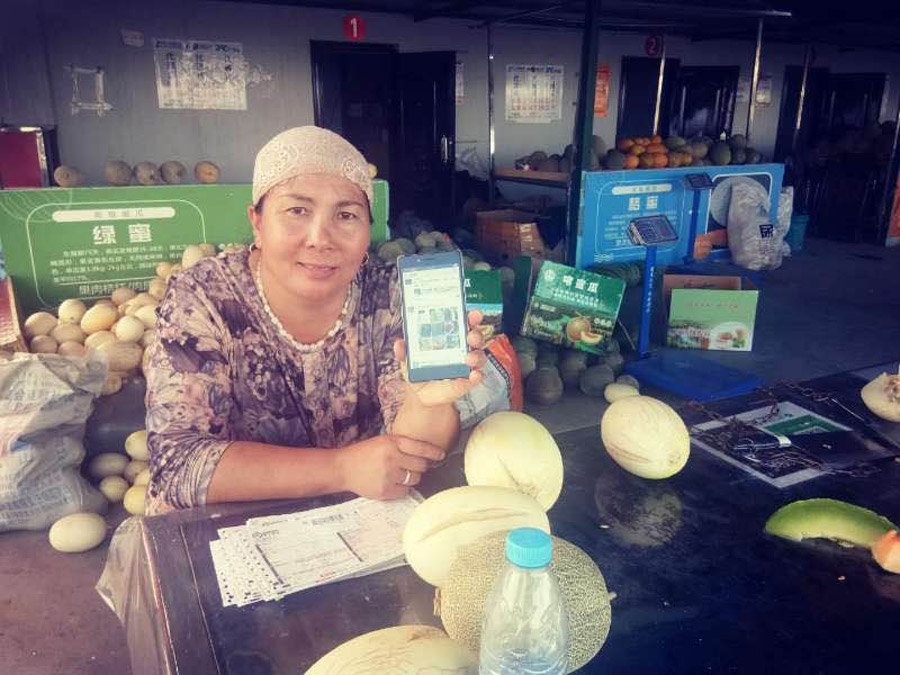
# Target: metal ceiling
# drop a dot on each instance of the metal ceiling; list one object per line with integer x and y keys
{"x": 866, "y": 24}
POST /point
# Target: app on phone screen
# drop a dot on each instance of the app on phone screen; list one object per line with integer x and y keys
{"x": 435, "y": 324}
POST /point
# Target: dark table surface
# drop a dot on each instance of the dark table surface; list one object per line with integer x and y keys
{"x": 700, "y": 588}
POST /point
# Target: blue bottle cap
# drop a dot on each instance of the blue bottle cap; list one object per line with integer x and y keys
{"x": 529, "y": 547}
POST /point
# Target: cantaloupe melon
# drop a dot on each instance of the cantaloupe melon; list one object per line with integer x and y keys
{"x": 524, "y": 345}
{"x": 39, "y": 323}
{"x": 593, "y": 380}
{"x": 401, "y": 650}
{"x": 443, "y": 523}
{"x": 570, "y": 368}
{"x": 544, "y": 386}
{"x": 117, "y": 173}
{"x": 645, "y": 437}
{"x": 147, "y": 173}
{"x": 206, "y": 172}
{"x": 527, "y": 365}
{"x": 615, "y": 392}
{"x": 77, "y": 532}
{"x": 630, "y": 380}
{"x": 71, "y": 311}
{"x": 67, "y": 176}
{"x": 460, "y": 600}
{"x": 720, "y": 154}
{"x": 43, "y": 344}
{"x": 511, "y": 449}
{"x": 547, "y": 358}
{"x": 98, "y": 318}
{"x": 172, "y": 172}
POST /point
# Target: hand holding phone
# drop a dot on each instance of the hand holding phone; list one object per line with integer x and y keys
{"x": 435, "y": 323}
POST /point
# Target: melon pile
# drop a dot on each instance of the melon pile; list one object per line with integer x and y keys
{"x": 120, "y": 327}
{"x": 433, "y": 242}
{"x": 561, "y": 163}
{"x": 455, "y": 539}
{"x": 124, "y": 478}
{"x": 548, "y": 370}
{"x": 119, "y": 478}
{"x": 119, "y": 173}
{"x": 654, "y": 152}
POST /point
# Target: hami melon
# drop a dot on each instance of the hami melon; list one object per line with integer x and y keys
{"x": 460, "y": 601}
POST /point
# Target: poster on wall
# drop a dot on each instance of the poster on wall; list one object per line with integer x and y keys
{"x": 200, "y": 74}
{"x": 601, "y": 91}
{"x": 743, "y": 89}
{"x": 534, "y": 93}
{"x": 764, "y": 91}
{"x": 460, "y": 83}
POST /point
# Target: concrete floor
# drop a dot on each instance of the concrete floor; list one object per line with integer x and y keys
{"x": 833, "y": 307}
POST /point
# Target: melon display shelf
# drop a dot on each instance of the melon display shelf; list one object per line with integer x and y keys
{"x": 556, "y": 179}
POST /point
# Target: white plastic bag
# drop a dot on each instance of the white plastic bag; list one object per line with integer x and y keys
{"x": 45, "y": 400}
{"x": 753, "y": 238}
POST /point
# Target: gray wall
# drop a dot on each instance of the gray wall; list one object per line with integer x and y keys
{"x": 40, "y": 37}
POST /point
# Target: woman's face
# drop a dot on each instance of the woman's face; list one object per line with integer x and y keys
{"x": 313, "y": 233}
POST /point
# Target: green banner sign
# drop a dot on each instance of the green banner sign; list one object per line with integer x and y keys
{"x": 84, "y": 242}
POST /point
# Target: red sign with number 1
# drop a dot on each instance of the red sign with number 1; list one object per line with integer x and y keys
{"x": 354, "y": 27}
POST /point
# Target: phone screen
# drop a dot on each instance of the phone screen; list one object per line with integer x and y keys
{"x": 435, "y": 318}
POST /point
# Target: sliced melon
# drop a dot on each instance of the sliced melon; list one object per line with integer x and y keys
{"x": 828, "y": 519}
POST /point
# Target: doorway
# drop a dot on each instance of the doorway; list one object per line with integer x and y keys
{"x": 704, "y": 101}
{"x": 399, "y": 109}
{"x": 638, "y": 86}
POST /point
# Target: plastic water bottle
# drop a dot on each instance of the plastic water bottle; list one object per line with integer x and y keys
{"x": 526, "y": 629}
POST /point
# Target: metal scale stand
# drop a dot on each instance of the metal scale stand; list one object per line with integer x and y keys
{"x": 681, "y": 371}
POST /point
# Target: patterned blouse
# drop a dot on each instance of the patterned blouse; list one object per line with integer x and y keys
{"x": 221, "y": 370}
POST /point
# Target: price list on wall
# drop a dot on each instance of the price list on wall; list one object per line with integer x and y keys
{"x": 534, "y": 93}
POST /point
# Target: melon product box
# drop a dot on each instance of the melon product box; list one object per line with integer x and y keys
{"x": 574, "y": 308}
{"x": 484, "y": 292}
{"x": 507, "y": 233}
{"x": 11, "y": 338}
{"x": 709, "y": 312}
{"x": 64, "y": 243}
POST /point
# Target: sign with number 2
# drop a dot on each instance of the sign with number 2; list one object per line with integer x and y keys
{"x": 354, "y": 27}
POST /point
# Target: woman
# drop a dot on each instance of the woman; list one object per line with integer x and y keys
{"x": 277, "y": 371}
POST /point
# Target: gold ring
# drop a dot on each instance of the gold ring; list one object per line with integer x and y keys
{"x": 408, "y": 476}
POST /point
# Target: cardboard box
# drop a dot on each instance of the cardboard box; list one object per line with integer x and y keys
{"x": 505, "y": 234}
{"x": 715, "y": 313}
{"x": 574, "y": 308}
{"x": 11, "y": 338}
{"x": 484, "y": 292}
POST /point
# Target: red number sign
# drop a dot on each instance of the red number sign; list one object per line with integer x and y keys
{"x": 354, "y": 27}
{"x": 653, "y": 45}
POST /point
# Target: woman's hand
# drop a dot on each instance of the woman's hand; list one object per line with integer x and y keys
{"x": 385, "y": 467}
{"x": 443, "y": 392}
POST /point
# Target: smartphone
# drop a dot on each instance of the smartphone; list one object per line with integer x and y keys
{"x": 434, "y": 315}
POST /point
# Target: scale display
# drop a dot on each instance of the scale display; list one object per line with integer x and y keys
{"x": 699, "y": 181}
{"x": 652, "y": 231}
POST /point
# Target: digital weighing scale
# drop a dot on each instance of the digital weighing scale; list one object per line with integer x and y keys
{"x": 680, "y": 371}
